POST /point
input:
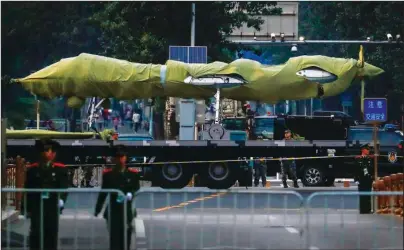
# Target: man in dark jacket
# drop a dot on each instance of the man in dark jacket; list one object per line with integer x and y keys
{"x": 126, "y": 180}
{"x": 45, "y": 174}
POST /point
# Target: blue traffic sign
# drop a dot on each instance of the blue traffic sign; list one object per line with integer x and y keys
{"x": 375, "y": 109}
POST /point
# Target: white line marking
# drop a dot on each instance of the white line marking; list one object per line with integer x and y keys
{"x": 314, "y": 248}
{"x": 292, "y": 230}
{"x": 140, "y": 229}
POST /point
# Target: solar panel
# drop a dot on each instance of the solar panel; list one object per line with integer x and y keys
{"x": 188, "y": 54}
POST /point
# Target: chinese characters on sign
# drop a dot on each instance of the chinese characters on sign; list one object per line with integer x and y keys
{"x": 375, "y": 109}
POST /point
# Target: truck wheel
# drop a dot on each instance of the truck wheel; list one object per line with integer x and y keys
{"x": 173, "y": 175}
{"x": 219, "y": 175}
{"x": 312, "y": 176}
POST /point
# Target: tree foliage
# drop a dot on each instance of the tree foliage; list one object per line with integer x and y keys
{"x": 36, "y": 34}
{"x": 357, "y": 21}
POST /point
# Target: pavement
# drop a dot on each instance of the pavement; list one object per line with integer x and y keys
{"x": 239, "y": 218}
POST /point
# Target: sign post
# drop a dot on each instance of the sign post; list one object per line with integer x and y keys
{"x": 375, "y": 112}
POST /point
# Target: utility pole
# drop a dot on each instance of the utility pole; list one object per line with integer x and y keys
{"x": 193, "y": 26}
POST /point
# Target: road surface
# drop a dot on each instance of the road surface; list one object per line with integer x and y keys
{"x": 257, "y": 218}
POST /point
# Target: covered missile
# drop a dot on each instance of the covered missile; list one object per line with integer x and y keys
{"x": 299, "y": 78}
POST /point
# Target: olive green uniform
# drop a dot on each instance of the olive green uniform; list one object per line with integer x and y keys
{"x": 44, "y": 208}
{"x": 260, "y": 171}
{"x": 126, "y": 181}
{"x": 364, "y": 175}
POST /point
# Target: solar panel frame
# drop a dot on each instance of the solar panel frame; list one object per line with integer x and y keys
{"x": 189, "y": 54}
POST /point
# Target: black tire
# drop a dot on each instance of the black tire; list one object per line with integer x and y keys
{"x": 172, "y": 176}
{"x": 313, "y": 176}
{"x": 219, "y": 175}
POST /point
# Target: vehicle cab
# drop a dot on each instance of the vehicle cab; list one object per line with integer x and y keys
{"x": 391, "y": 142}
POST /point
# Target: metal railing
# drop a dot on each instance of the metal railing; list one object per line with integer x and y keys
{"x": 17, "y": 234}
{"x": 198, "y": 218}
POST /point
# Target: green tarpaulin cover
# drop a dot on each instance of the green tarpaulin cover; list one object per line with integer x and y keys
{"x": 96, "y": 76}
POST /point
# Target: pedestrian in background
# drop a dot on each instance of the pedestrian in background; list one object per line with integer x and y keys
{"x": 116, "y": 123}
{"x": 136, "y": 120}
{"x": 364, "y": 175}
{"x": 288, "y": 167}
{"x": 126, "y": 180}
{"x": 45, "y": 174}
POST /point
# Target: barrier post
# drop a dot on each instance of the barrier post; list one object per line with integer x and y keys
{"x": 400, "y": 198}
{"x": 387, "y": 198}
{"x": 19, "y": 179}
{"x": 3, "y": 161}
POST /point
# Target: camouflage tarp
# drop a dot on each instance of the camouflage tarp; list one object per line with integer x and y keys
{"x": 96, "y": 76}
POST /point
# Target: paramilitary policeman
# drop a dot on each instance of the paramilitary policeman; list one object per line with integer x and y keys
{"x": 288, "y": 168}
{"x": 44, "y": 208}
{"x": 260, "y": 171}
{"x": 364, "y": 175}
{"x": 126, "y": 180}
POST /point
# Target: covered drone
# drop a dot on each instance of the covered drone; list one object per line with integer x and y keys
{"x": 299, "y": 78}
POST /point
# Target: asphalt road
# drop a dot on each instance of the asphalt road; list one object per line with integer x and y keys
{"x": 257, "y": 218}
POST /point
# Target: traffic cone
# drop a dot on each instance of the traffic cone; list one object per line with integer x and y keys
{"x": 191, "y": 182}
{"x": 268, "y": 184}
{"x": 346, "y": 184}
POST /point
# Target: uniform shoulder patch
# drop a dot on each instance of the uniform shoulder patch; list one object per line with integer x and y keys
{"x": 133, "y": 170}
{"x": 33, "y": 165}
{"x": 107, "y": 170}
{"x": 59, "y": 165}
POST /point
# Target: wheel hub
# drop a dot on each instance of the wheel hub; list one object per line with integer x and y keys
{"x": 172, "y": 172}
{"x": 313, "y": 176}
{"x": 218, "y": 172}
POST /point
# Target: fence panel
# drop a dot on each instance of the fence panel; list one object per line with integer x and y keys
{"x": 78, "y": 227}
{"x": 199, "y": 218}
{"x": 333, "y": 222}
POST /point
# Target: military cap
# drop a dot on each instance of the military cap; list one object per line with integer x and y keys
{"x": 365, "y": 146}
{"x": 120, "y": 150}
{"x": 46, "y": 144}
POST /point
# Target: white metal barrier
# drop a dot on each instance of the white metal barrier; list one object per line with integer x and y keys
{"x": 199, "y": 218}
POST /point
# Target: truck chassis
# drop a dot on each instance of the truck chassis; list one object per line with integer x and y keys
{"x": 215, "y": 164}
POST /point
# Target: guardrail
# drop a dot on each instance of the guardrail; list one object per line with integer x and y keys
{"x": 229, "y": 219}
{"x": 45, "y": 222}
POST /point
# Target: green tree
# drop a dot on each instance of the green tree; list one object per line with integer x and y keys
{"x": 142, "y": 31}
{"x": 37, "y": 34}
{"x": 357, "y": 20}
